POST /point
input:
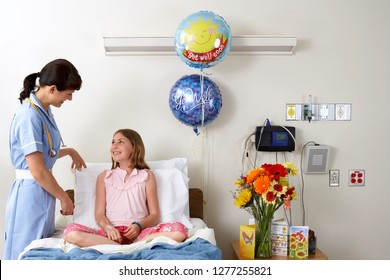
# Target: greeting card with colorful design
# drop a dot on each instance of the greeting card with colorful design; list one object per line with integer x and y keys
{"x": 279, "y": 237}
{"x": 299, "y": 242}
{"x": 247, "y": 241}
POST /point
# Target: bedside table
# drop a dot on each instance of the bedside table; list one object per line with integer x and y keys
{"x": 319, "y": 255}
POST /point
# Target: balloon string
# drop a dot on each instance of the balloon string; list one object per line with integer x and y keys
{"x": 204, "y": 176}
{"x": 201, "y": 94}
{"x": 193, "y": 148}
{"x": 205, "y": 73}
{"x": 204, "y": 186}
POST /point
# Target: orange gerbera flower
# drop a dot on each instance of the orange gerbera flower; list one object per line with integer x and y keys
{"x": 264, "y": 189}
{"x": 261, "y": 184}
{"x": 252, "y": 175}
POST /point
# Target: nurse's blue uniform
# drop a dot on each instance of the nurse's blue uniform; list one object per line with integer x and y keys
{"x": 30, "y": 208}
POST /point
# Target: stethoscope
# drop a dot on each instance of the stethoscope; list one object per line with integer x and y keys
{"x": 52, "y": 152}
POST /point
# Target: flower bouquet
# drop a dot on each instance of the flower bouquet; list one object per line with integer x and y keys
{"x": 261, "y": 192}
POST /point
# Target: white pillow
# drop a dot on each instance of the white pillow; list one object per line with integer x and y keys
{"x": 85, "y": 195}
{"x": 172, "y": 188}
{"x": 178, "y": 163}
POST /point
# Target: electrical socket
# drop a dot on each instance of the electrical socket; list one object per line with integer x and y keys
{"x": 334, "y": 178}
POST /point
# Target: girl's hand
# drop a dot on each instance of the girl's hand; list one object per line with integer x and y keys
{"x": 113, "y": 234}
{"x": 132, "y": 232}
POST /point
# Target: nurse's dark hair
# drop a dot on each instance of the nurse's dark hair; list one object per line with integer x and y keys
{"x": 59, "y": 72}
{"x": 137, "y": 158}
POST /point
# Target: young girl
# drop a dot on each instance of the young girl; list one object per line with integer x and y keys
{"x": 127, "y": 208}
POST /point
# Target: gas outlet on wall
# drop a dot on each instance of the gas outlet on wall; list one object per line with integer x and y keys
{"x": 334, "y": 178}
{"x": 356, "y": 178}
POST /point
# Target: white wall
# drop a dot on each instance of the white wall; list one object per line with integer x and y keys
{"x": 342, "y": 56}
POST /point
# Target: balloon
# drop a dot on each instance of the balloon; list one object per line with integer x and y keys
{"x": 195, "y": 100}
{"x": 203, "y": 39}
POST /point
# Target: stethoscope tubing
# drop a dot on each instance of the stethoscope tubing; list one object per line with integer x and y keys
{"x": 52, "y": 152}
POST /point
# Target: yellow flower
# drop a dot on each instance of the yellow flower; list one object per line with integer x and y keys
{"x": 283, "y": 181}
{"x": 266, "y": 188}
{"x": 294, "y": 196}
{"x": 239, "y": 182}
{"x": 291, "y": 168}
{"x": 243, "y": 198}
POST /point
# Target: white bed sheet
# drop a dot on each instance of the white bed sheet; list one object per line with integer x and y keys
{"x": 199, "y": 230}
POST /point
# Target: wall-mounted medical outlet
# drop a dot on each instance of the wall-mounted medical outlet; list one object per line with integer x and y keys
{"x": 356, "y": 178}
{"x": 342, "y": 112}
{"x": 334, "y": 178}
{"x": 319, "y": 111}
{"x": 294, "y": 112}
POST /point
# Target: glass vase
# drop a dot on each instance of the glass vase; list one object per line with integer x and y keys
{"x": 263, "y": 245}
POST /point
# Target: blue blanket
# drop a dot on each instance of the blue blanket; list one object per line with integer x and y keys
{"x": 198, "y": 249}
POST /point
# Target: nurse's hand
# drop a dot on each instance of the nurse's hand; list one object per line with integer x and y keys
{"x": 66, "y": 206}
{"x": 77, "y": 161}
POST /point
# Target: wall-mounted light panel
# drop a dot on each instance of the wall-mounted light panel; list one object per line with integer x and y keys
{"x": 241, "y": 45}
{"x": 320, "y": 112}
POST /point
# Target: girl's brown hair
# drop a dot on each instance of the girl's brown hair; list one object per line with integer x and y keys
{"x": 138, "y": 156}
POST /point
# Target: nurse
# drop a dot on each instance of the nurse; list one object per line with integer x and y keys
{"x": 35, "y": 145}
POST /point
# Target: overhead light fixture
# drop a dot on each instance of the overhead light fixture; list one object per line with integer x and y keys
{"x": 253, "y": 44}
{"x": 241, "y": 45}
